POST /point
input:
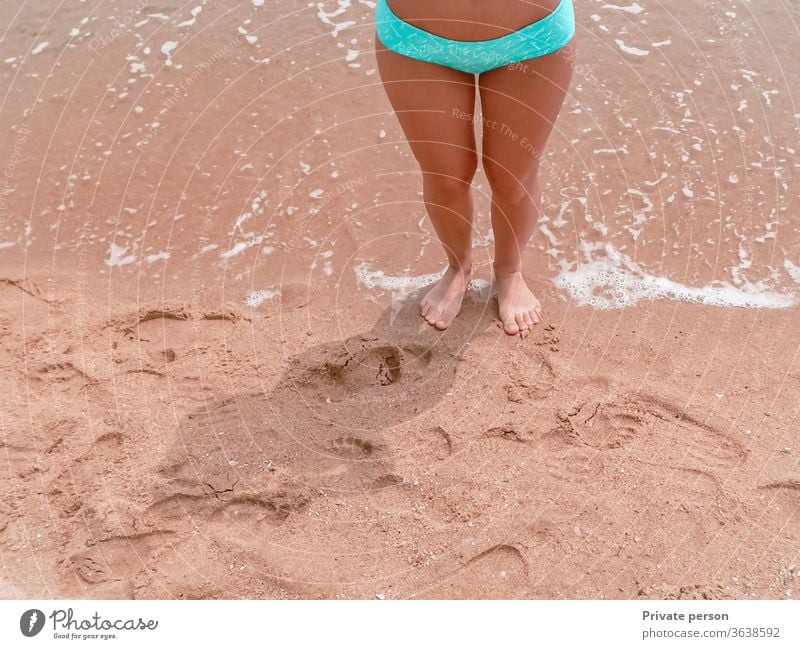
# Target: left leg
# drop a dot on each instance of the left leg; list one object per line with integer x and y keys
{"x": 520, "y": 104}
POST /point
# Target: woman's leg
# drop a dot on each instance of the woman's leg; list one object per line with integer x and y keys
{"x": 434, "y": 105}
{"x": 520, "y": 104}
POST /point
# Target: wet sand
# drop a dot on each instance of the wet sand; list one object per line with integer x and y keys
{"x": 216, "y": 380}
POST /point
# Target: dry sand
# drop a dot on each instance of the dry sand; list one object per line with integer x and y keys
{"x": 216, "y": 382}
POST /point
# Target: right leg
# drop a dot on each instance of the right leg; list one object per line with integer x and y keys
{"x": 435, "y": 107}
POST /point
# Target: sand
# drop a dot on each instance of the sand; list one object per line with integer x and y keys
{"x": 216, "y": 381}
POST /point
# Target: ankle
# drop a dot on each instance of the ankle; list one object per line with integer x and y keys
{"x": 462, "y": 267}
{"x": 504, "y": 270}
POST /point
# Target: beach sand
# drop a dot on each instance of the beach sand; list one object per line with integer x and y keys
{"x": 216, "y": 381}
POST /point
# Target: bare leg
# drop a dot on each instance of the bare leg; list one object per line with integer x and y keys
{"x": 434, "y": 105}
{"x": 520, "y": 105}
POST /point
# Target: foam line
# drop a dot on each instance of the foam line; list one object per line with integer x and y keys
{"x": 616, "y": 282}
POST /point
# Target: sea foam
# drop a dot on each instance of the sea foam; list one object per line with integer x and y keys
{"x": 615, "y": 281}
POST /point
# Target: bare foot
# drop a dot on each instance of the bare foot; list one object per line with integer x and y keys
{"x": 519, "y": 308}
{"x": 442, "y": 303}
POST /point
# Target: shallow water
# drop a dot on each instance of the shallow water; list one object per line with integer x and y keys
{"x": 251, "y": 144}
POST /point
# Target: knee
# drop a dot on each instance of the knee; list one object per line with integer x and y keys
{"x": 508, "y": 187}
{"x": 449, "y": 182}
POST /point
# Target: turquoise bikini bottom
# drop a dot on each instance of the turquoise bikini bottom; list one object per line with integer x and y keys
{"x": 544, "y": 36}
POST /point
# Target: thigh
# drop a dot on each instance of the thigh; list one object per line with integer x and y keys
{"x": 520, "y": 104}
{"x": 435, "y": 106}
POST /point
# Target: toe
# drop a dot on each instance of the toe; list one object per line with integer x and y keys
{"x": 529, "y": 319}
{"x": 511, "y": 327}
{"x": 433, "y": 315}
{"x": 520, "y": 318}
{"x": 442, "y": 324}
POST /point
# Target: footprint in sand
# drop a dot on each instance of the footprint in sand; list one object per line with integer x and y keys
{"x": 534, "y": 378}
{"x": 781, "y": 506}
{"x": 117, "y": 559}
{"x": 370, "y": 365}
{"x": 237, "y": 509}
{"x": 362, "y": 385}
{"x": 360, "y": 365}
{"x": 352, "y": 447}
{"x": 501, "y": 572}
{"x": 233, "y": 457}
{"x": 650, "y": 427}
{"x": 427, "y": 446}
{"x": 29, "y": 450}
{"x": 264, "y": 511}
{"x": 149, "y": 339}
{"x": 63, "y": 376}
